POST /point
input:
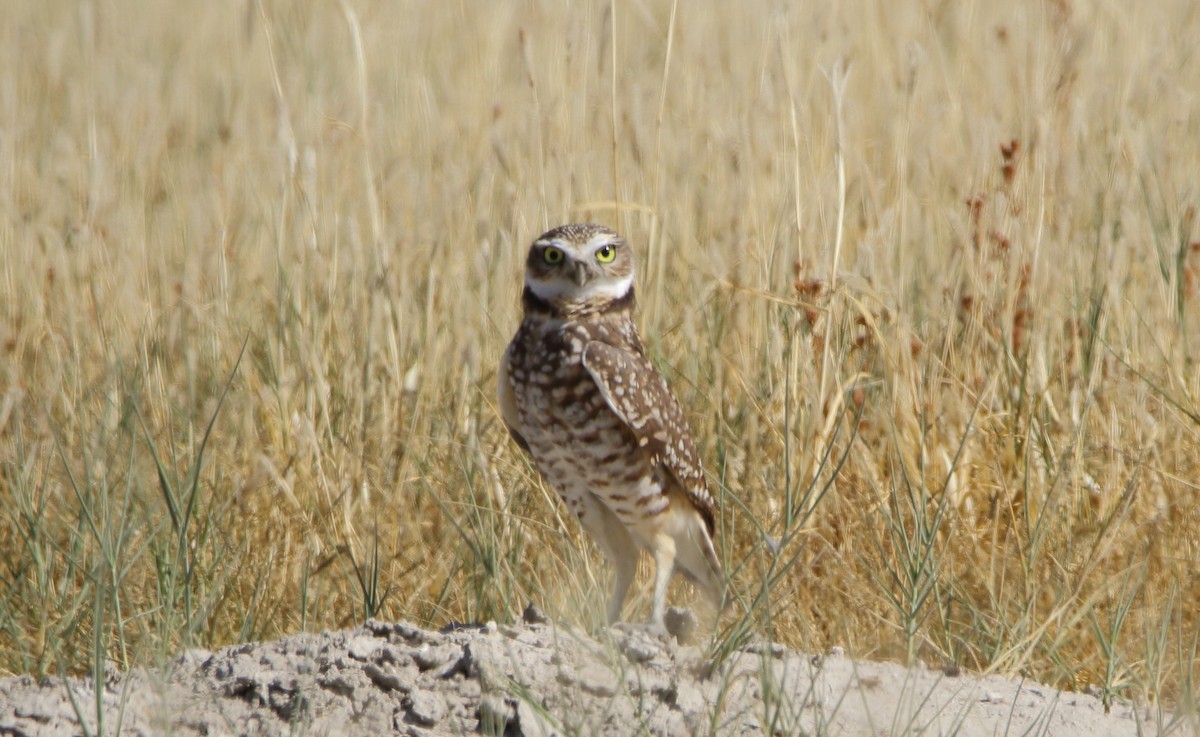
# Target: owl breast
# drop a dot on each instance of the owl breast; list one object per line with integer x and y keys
{"x": 579, "y": 445}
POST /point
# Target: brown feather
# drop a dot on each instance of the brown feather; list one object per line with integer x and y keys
{"x": 651, "y": 412}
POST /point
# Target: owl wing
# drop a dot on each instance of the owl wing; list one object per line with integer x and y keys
{"x": 639, "y": 395}
{"x": 508, "y": 402}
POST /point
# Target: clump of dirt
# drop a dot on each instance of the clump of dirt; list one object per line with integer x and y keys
{"x": 541, "y": 679}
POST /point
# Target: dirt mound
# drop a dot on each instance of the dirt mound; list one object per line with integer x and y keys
{"x": 541, "y": 679}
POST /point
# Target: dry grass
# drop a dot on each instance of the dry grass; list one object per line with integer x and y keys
{"x": 945, "y": 354}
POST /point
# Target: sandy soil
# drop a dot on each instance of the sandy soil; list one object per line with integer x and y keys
{"x": 545, "y": 679}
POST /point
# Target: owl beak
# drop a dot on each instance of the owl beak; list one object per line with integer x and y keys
{"x": 580, "y": 274}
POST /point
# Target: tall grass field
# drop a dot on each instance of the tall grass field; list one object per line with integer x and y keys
{"x": 924, "y": 275}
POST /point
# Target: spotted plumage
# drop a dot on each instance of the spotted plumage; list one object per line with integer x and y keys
{"x": 579, "y": 395}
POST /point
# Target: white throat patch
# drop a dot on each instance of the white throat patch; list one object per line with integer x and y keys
{"x": 596, "y": 290}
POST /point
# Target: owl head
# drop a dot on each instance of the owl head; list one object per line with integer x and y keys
{"x": 577, "y": 265}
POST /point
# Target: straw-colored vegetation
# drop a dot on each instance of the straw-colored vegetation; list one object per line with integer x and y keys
{"x": 925, "y": 276}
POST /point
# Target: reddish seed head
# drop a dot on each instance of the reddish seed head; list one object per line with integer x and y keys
{"x": 809, "y": 287}
{"x": 1009, "y": 152}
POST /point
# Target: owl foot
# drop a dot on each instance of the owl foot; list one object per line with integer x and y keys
{"x": 677, "y": 625}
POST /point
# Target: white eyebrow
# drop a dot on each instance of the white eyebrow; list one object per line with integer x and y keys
{"x": 600, "y": 239}
{"x": 575, "y": 247}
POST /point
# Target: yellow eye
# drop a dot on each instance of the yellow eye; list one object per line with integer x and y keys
{"x": 552, "y": 255}
{"x": 606, "y": 253}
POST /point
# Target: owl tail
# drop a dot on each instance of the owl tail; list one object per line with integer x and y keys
{"x": 696, "y": 557}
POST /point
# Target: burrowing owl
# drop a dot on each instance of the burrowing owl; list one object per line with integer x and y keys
{"x": 579, "y": 395}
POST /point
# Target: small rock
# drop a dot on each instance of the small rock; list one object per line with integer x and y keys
{"x": 390, "y": 655}
{"x": 377, "y": 628}
{"x": 410, "y": 632}
{"x": 386, "y": 680}
{"x": 428, "y": 658}
{"x": 248, "y": 688}
{"x": 393, "y": 631}
{"x": 639, "y": 648}
{"x": 38, "y": 709}
{"x": 338, "y": 682}
{"x": 533, "y": 615}
{"x": 512, "y": 631}
{"x": 681, "y": 623}
{"x": 532, "y": 723}
{"x": 426, "y": 708}
{"x": 464, "y": 666}
{"x": 362, "y": 648}
{"x": 597, "y": 680}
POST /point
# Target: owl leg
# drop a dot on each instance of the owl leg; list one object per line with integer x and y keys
{"x": 626, "y": 569}
{"x": 697, "y": 559}
{"x": 664, "y": 566}
{"x": 617, "y": 545}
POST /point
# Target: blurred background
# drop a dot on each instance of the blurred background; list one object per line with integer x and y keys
{"x": 923, "y": 274}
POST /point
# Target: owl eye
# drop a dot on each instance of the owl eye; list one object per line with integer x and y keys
{"x": 606, "y": 253}
{"x": 552, "y": 255}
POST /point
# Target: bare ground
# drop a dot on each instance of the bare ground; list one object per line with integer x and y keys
{"x": 546, "y": 679}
